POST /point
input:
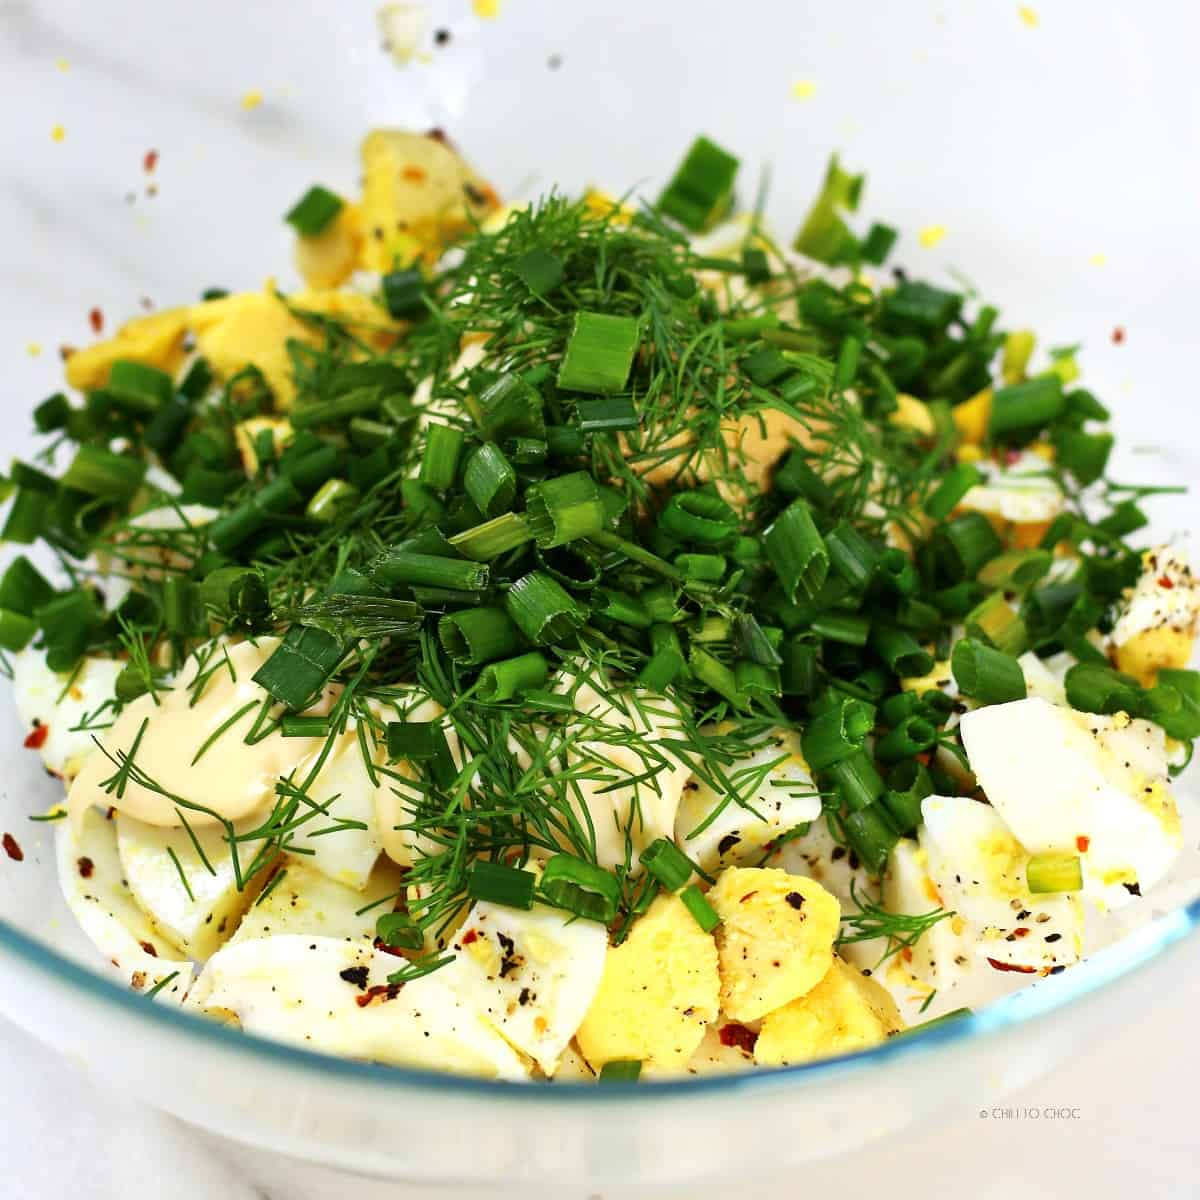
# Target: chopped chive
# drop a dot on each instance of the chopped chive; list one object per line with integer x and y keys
{"x": 922, "y": 305}
{"x": 511, "y": 407}
{"x": 714, "y": 674}
{"x": 404, "y": 294}
{"x": 697, "y": 904}
{"x": 824, "y": 236}
{"x": 1085, "y": 455}
{"x": 478, "y": 635}
{"x": 300, "y": 666}
{"x": 580, "y": 887}
{"x": 542, "y": 610}
{"x": 606, "y": 415}
{"x": 966, "y": 543}
{"x": 23, "y": 588}
{"x": 52, "y": 414}
{"x": 231, "y": 529}
{"x": 313, "y": 211}
{"x": 667, "y": 863}
{"x": 666, "y": 661}
{"x": 997, "y": 623}
{"x": 358, "y": 402}
{"x": 871, "y": 835}
{"x": 16, "y": 629}
{"x": 1017, "y": 570}
{"x": 755, "y": 266}
{"x": 490, "y": 480}
{"x": 708, "y": 568}
{"x": 330, "y": 500}
{"x": 400, "y": 931}
{"x": 851, "y": 629}
{"x": 857, "y": 781}
{"x": 987, "y": 675}
{"x": 564, "y": 509}
{"x": 956, "y": 483}
{"x": 904, "y": 655}
{"x": 851, "y": 555}
{"x": 796, "y": 551}
{"x": 482, "y": 543}
{"x": 398, "y": 566}
{"x": 1099, "y": 689}
{"x": 67, "y": 623}
{"x": 1054, "y": 872}
{"x": 1021, "y": 409}
{"x": 1125, "y": 518}
{"x": 500, "y": 681}
{"x": 498, "y": 883}
{"x": 100, "y": 472}
{"x": 913, "y": 735}
{"x": 292, "y": 725}
{"x": 308, "y": 471}
{"x": 424, "y": 743}
{"x": 539, "y": 270}
{"x": 621, "y": 607}
{"x": 909, "y": 783}
{"x": 140, "y": 387}
{"x": 701, "y": 189}
{"x": 836, "y": 733}
{"x": 798, "y": 673}
{"x": 878, "y": 243}
{"x": 439, "y": 462}
{"x": 621, "y": 1070}
{"x": 599, "y": 353}
{"x": 698, "y": 517}
{"x": 183, "y": 612}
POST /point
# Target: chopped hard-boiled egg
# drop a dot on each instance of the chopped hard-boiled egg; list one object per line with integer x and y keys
{"x": 1082, "y": 784}
{"x": 1157, "y": 627}
{"x": 844, "y": 1012}
{"x": 155, "y": 340}
{"x": 327, "y": 259}
{"x": 93, "y": 884}
{"x": 775, "y": 938}
{"x": 1041, "y": 681}
{"x": 533, "y": 975}
{"x": 189, "y": 890}
{"x": 771, "y": 794}
{"x": 657, "y": 993}
{"x": 979, "y": 870}
{"x": 71, "y": 707}
{"x": 303, "y": 900}
{"x": 333, "y": 996}
{"x": 1020, "y": 492}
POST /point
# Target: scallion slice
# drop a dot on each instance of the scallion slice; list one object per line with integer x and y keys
{"x": 1054, "y": 872}
{"x": 997, "y": 623}
{"x": 231, "y": 529}
{"x": 904, "y": 655}
{"x": 913, "y": 735}
{"x": 700, "y": 190}
{"x": 398, "y": 566}
{"x": 439, "y": 462}
{"x": 400, "y": 931}
{"x": 475, "y": 636}
{"x": 542, "y": 610}
{"x": 621, "y": 1070}
{"x": 985, "y": 674}
{"x": 796, "y": 551}
{"x": 500, "y": 681}
{"x": 857, "y": 781}
{"x": 1021, "y": 409}
{"x": 313, "y": 211}
{"x": 16, "y": 629}
{"x": 23, "y": 588}
{"x": 140, "y": 387}
{"x": 493, "y": 538}
{"x": 539, "y": 270}
{"x": 606, "y": 415}
{"x": 599, "y": 353}
{"x": 699, "y": 517}
{"x": 100, "y": 472}
{"x": 956, "y": 483}
{"x": 300, "y": 666}
{"x": 695, "y": 901}
{"x": 836, "y": 733}
{"x": 580, "y": 887}
{"x": 871, "y": 835}
{"x": 564, "y": 509}
{"x": 404, "y": 294}
{"x": 498, "y": 883}
{"x": 490, "y": 480}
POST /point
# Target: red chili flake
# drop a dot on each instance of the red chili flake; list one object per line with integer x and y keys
{"x": 36, "y": 738}
{"x": 438, "y": 135}
{"x": 470, "y": 936}
{"x": 1020, "y": 932}
{"x": 748, "y": 896}
{"x": 737, "y": 1035}
{"x": 150, "y": 161}
{"x": 1164, "y": 582}
{"x": 906, "y": 954}
{"x": 1082, "y": 842}
{"x": 11, "y": 848}
{"x": 413, "y": 174}
{"x": 384, "y": 948}
{"x": 149, "y": 949}
{"x": 96, "y": 320}
{"x": 389, "y": 991}
{"x": 1002, "y": 966}
{"x": 86, "y": 867}
{"x": 1118, "y": 335}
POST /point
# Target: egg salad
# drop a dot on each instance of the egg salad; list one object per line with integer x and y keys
{"x": 589, "y": 640}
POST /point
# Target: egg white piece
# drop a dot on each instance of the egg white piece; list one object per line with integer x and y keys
{"x": 306, "y": 901}
{"x": 197, "y": 917}
{"x": 345, "y": 789}
{"x": 774, "y": 793}
{"x": 305, "y": 990}
{"x": 1041, "y": 681}
{"x": 978, "y": 868}
{"x": 1166, "y": 594}
{"x": 1081, "y": 784}
{"x": 93, "y": 885}
{"x": 62, "y": 702}
{"x": 1021, "y": 491}
{"x": 532, "y": 975}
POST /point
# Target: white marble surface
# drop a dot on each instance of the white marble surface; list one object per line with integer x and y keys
{"x": 63, "y": 1134}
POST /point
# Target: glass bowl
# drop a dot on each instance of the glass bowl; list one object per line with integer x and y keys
{"x": 1051, "y": 146}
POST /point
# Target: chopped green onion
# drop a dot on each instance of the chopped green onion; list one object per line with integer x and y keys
{"x": 878, "y": 243}
{"x": 478, "y": 635}
{"x": 714, "y": 674}
{"x": 564, "y": 509}
{"x": 846, "y": 369}
{"x": 621, "y": 607}
{"x": 606, "y": 415}
{"x": 231, "y": 529}
{"x": 1017, "y": 570}
{"x": 755, "y": 266}
{"x": 903, "y": 704}
{"x": 400, "y": 931}
{"x": 404, "y": 294}
{"x": 904, "y": 655}
{"x": 510, "y": 407}
{"x": 796, "y": 551}
{"x": 871, "y": 835}
{"x": 996, "y": 622}
{"x": 581, "y": 887}
{"x": 539, "y": 270}
{"x": 1085, "y": 455}
{"x": 599, "y": 353}
{"x": 397, "y": 566}
{"x": 700, "y": 191}
{"x": 67, "y": 623}
{"x": 501, "y": 681}
{"x": 707, "y": 568}
{"x": 667, "y": 863}
{"x": 697, "y": 904}
{"x": 987, "y": 675}
{"x": 1100, "y": 689}
{"x": 330, "y": 500}
{"x": 291, "y": 725}
{"x": 493, "y": 538}
{"x": 314, "y": 211}
{"x": 851, "y": 555}
{"x": 16, "y": 629}
{"x": 26, "y": 516}
{"x": 490, "y": 480}
{"x": 666, "y": 660}
{"x": 824, "y": 235}
{"x": 140, "y": 387}
{"x": 911, "y": 737}
{"x": 300, "y": 666}
{"x": 756, "y": 643}
{"x": 966, "y": 544}
{"x": 1125, "y": 518}
{"x": 798, "y": 673}
{"x": 439, "y": 462}
{"x": 308, "y": 470}
{"x": 921, "y": 304}
{"x": 794, "y": 477}
{"x": 183, "y": 613}
{"x": 909, "y": 783}
{"x": 857, "y": 781}
{"x": 53, "y": 413}
{"x": 1054, "y": 872}
{"x": 100, "y": 472}
{"x": 699, "y": 517}
{"x": 766, "y": 366}
{"x": 836, "y": 733}
{"x": 1021, "y": 409}
{"x": 850, "y": 629}
{"x": 621, "y": 1070}
{"x": 542, "y": 610}
{"x": 498, "y": 883}
{"x": 357, "y": 402}
{"x": 956, "y": 483}
{"x": 23, "y": 588}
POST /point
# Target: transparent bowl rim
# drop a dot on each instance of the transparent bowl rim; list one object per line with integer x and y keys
{"x": 1102, "y": 970}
